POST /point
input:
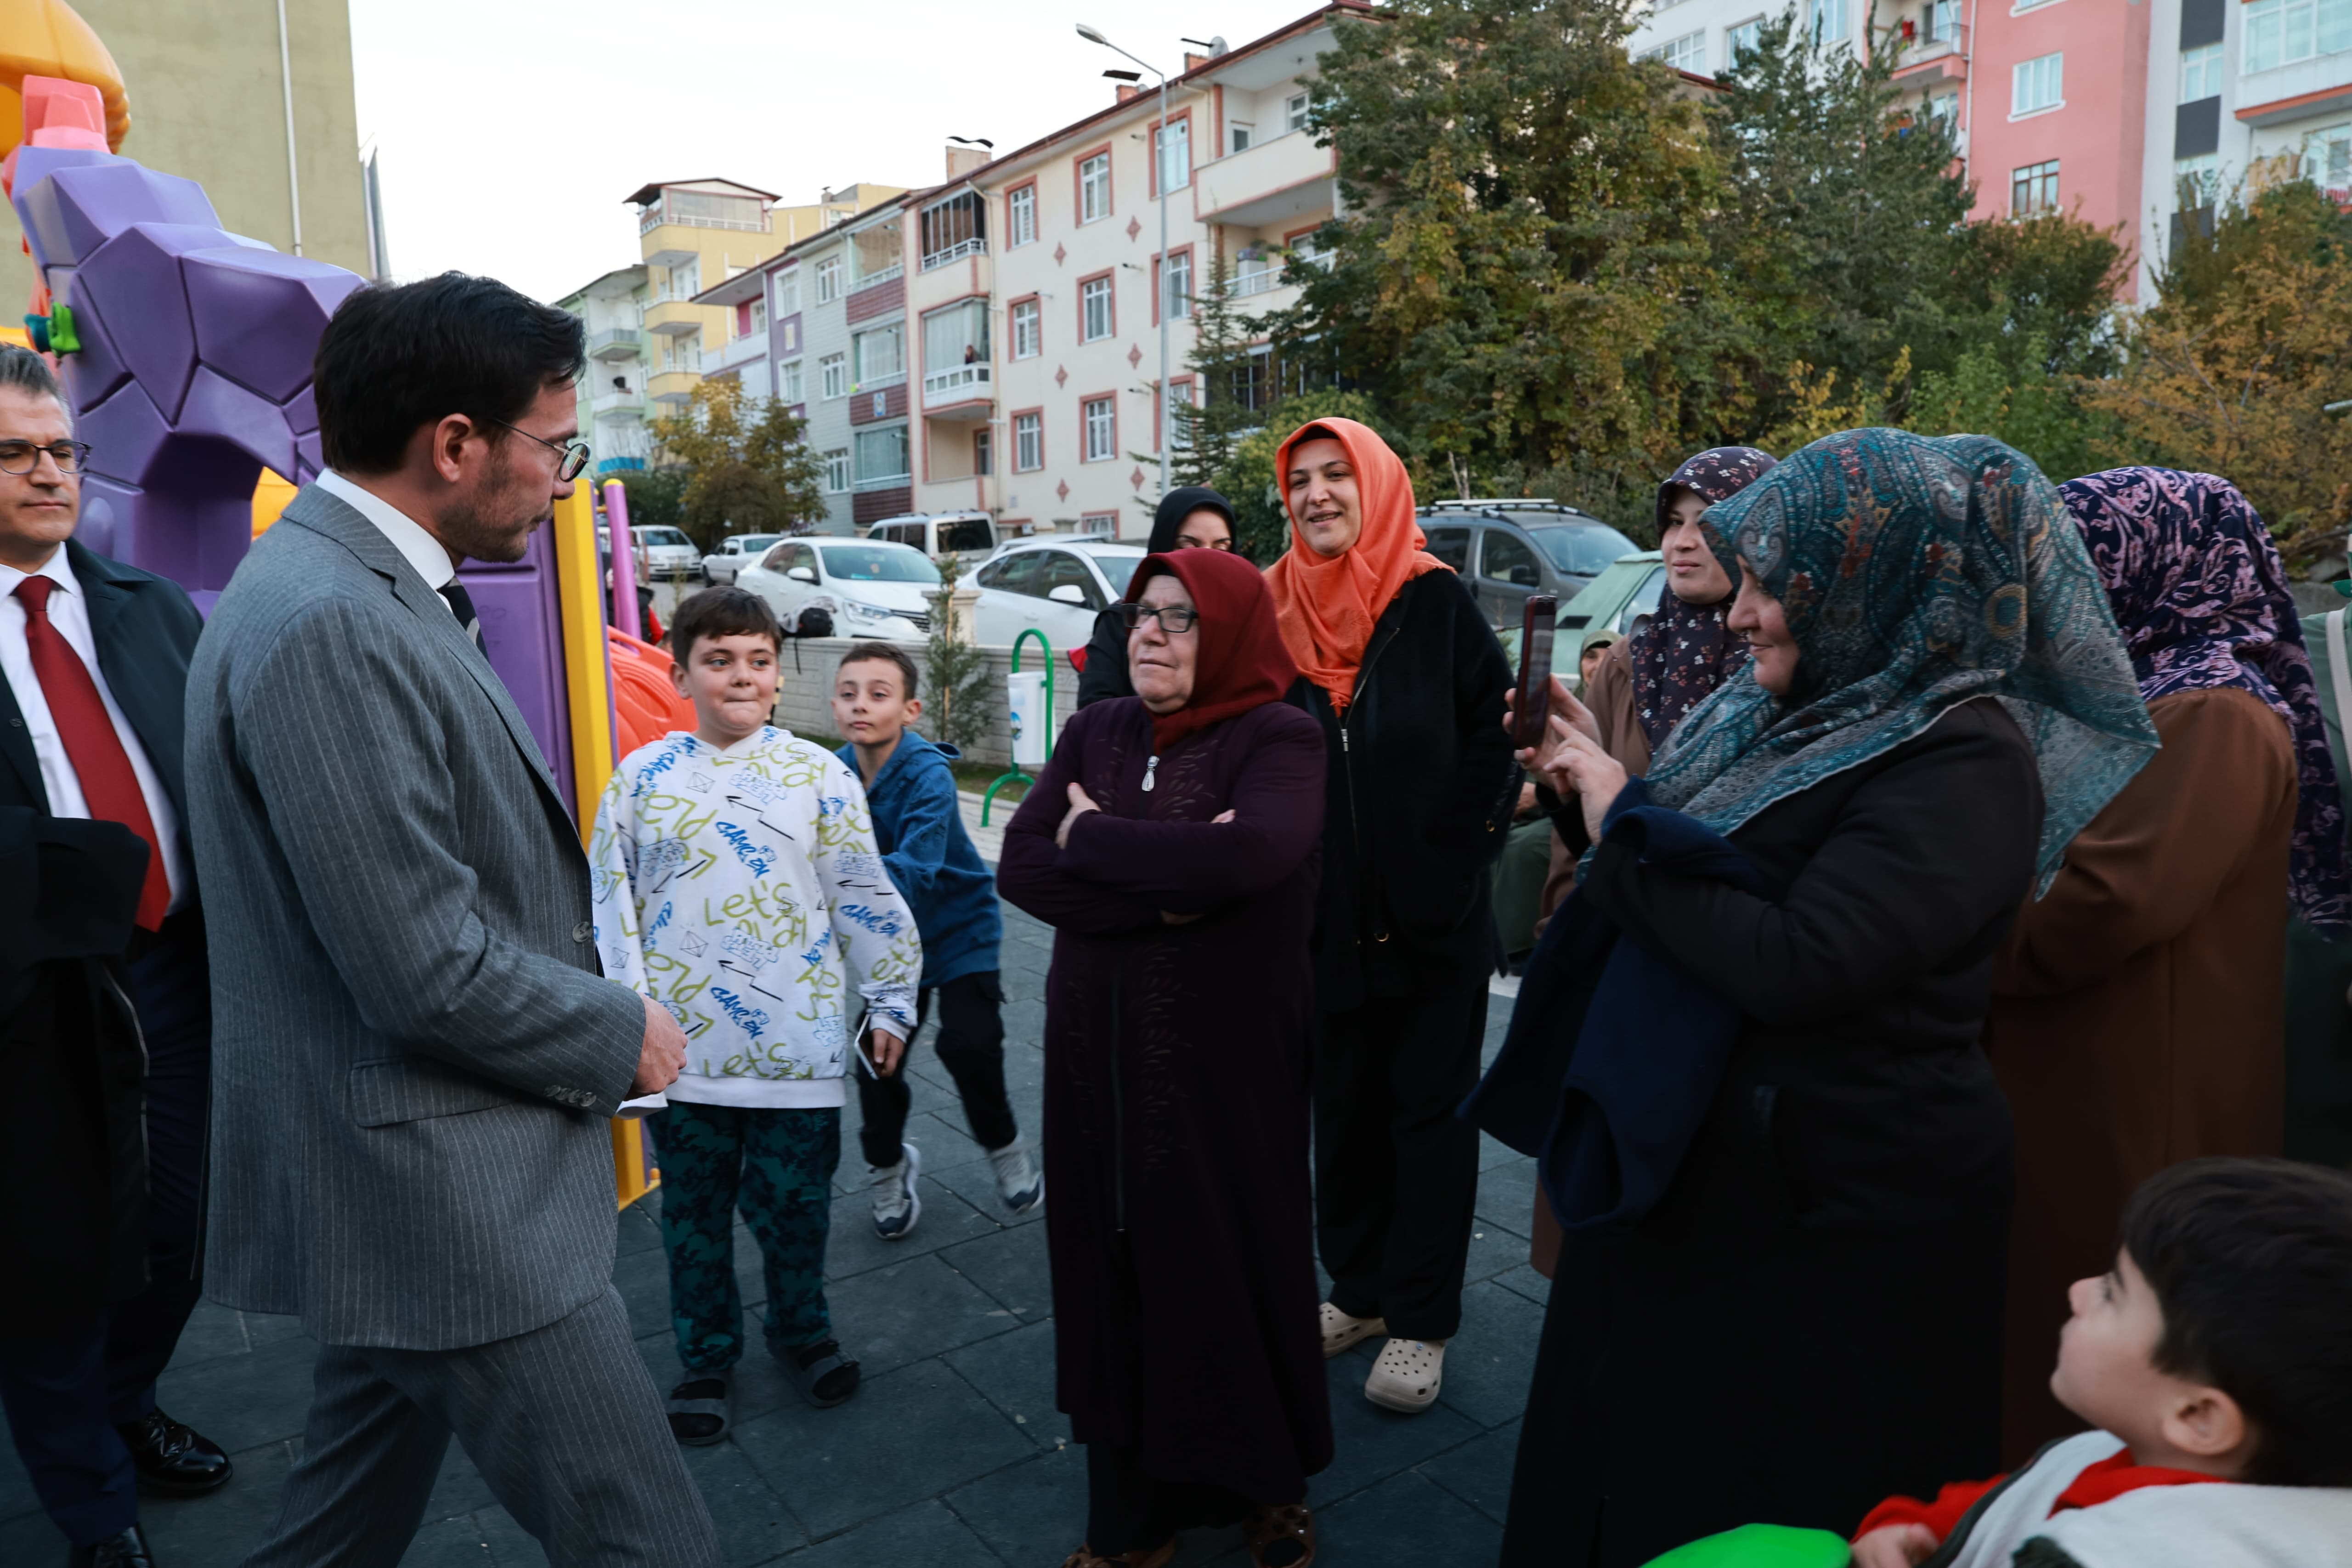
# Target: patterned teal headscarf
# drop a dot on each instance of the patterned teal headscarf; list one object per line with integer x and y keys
{"x": 1916, "y": 574}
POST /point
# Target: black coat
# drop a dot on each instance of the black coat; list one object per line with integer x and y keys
{"x": 76, "y": 1233}
{"x": 1104, "y": 673}
{"x": 1420, "y": 795}
{"x": 1811, "y": 1319}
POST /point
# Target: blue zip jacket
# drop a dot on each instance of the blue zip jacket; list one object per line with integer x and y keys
{"x": 930, "y": 858}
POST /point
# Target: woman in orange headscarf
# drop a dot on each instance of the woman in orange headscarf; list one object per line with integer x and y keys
{"x": 1408, "y": 682}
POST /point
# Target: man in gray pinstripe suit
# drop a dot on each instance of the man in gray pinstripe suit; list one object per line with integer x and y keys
{"x": 413, "y": 1053}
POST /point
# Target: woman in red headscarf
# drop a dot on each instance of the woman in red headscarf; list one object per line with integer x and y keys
{"x": 1407, "y": 681}
{"x": 1173, "y": 843}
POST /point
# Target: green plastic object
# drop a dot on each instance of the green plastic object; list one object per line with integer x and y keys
{"x": 1016, "y": 775}
{"x": 1760, "y": 1546}
{"x": 62, "y": 338}
{"x": 2343, "y": 586}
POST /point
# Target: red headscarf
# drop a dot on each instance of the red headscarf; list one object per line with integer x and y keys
{"x": 1327, "y": 607}
{"x": 1241, "y": 663}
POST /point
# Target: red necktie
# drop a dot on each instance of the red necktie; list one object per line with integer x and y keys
{"x": 109, "y": 786}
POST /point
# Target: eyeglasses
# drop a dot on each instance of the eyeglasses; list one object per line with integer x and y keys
{"x": 573, "y": 456}
{"x": 1175, "y": 619}
{"x": 23, "y": 456}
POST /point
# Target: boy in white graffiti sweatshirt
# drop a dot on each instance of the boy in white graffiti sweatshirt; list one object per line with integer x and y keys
{"x": 738, "y": 884}
{"x": 2214, "y": 1362}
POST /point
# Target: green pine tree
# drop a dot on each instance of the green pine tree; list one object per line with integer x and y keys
{"x": 962, "y": 689}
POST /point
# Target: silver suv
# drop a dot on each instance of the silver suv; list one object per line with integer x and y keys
{"x": 1509, "y": 549}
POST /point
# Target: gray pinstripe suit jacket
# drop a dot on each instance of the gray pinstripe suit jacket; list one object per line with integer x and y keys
{"x": 413, "y": 1050}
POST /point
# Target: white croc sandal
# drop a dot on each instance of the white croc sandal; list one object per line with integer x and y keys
{"x": 1408, "y": 1376}
{"x": 1342, "y": 1333}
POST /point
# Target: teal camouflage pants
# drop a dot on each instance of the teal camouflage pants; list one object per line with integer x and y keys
{"x": 777, "y": 1167}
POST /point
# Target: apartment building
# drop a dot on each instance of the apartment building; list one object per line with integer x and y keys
{"x": 613, "y": 392}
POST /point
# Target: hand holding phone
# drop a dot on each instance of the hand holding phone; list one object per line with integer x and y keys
{"x": 1531, "y": 704}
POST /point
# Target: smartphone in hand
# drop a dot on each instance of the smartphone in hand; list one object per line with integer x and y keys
{"x": 1532, "y": 706}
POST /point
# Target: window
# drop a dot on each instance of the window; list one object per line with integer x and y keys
{"x": 1505, "y": 559}
{"x": 1028, "y": 336}
{"x": 1094, "y": 188}
{"x": 1095, "y": 322}
{"x": 1451, "y": 545}
{"x": 1064, "y": 570}
{"x": 1687, "y": 53}
{"x": 1098, "y": 525}
{"x": 983, "y": 452}
{"x": 1100, "y": 417}
{"x": 833, "y": 376}
{"x": 881, "y": 357}
{"x": 1294, "y": 112}
{"x": 1178, "y": 434}
{"x": 1021, "y": 216}
{"x": 1019, "y": 572}
{"x": 788, "y": 292}
{"x": 1242, "y": 135}
{"x": 2280, "y": 32}
{"x": 1176, "y": 285}
{"x": 759, "y": 322}
{"x": 1028, "y": 443}
{"x": 2033, "y": 190}
{"x": 1943, "y": 21}
{"x": 1828, "y": 20}
{"x": 836, "y": 470}
{"x": 2196, "y": 180}
{"x": 686, "y": 281}
{"x": 955, "y": 339}
{"x": 685, "y": 351}
{"x": 1743, "y": 39}
{"x": 1174, "y": 144}
{"x": 875, "y": 253}
{"x": 2327, "y": 160}
{"x": 1945, "y": 107}
{"x": 952, "y": 229}
{"x": 828, "y": 280}
{"x": 2200, "y": 73}
{"x": 2037, "y": 84}
{"x": 790, "y": 387}
{"x": 881, "y": 458}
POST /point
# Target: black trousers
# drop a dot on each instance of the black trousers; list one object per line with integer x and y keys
{"x": 970, "y": 1046}
{"x": 1130, "y": 1509}
{"x": 64, "y": 1394}
{"x": 1396, "y": 1171}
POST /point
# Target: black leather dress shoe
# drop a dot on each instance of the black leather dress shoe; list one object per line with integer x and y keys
{"x": 127, "y": 1550}
{"x": 173, "y": 1457}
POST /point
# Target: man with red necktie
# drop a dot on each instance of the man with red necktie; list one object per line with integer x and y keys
{"x": 105, "y": 1004}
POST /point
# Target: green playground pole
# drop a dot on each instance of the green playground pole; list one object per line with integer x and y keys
{"x": 1016, "y": 775}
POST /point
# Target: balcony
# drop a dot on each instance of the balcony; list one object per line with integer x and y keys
{"x": 673, "y": 318}
{"x": 1287, "y": 178}
{"x": 614, "y": 402}
{"x": 1926, "y": 61}
{"x": 672, "y": 388}
{"x": 961, "y": 387}
{"x": 616, "y": 343}
{"x": 740, "y": 350}
{"x": 956, "y": 252}
{"x": 654, "y": 217}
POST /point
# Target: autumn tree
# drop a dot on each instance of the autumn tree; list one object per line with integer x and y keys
{"x": 747, "y": 463}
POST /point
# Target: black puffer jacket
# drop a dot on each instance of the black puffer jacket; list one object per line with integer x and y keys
{"x": 1421, "y": 787}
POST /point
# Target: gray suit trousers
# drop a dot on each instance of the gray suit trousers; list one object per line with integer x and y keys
{"x": 563, "y": 1422}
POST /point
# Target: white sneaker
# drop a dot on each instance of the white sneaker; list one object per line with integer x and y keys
{"x": 1342, "y": 1333}
{"x": 896, "y": 1207}
{"x": 1019, "y": 1184}
{"x": 1407, "y": 1376}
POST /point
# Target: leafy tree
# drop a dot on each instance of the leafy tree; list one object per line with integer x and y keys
{"x": 748, "y": 466}
{"x": 962, "y": 695}
{"x": 2229, "y": 372}
{"x": 1212, "y": 428}
{"x": 656, "y": 496}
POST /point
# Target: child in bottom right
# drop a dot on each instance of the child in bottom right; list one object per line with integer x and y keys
{"x": 2214, "y": 1362}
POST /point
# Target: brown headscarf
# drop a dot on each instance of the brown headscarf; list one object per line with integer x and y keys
{"x": 1327, "y": 607}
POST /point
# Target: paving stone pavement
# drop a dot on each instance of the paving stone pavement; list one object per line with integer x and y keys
{"x": 952, "y": 1453}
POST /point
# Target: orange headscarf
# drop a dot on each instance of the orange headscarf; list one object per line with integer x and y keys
{"x": 1327, "y": 607}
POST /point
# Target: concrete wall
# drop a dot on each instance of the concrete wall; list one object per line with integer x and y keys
{"x": 208, "y": 101}
{"x": 804, "y": 696}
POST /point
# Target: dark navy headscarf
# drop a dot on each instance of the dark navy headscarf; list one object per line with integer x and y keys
{"x": 1686, "y": 650}
{"x": 2201, "y": 597}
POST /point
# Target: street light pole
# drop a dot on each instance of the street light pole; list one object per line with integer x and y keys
{"x": 1159, "y": 277}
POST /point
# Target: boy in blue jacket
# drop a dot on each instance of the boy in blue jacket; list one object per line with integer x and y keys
{"x": 910, "y": 791}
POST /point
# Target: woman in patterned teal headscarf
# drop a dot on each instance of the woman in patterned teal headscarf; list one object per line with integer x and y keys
{"x": 1915, "y": 574}
{"x": 1938, "y": 700}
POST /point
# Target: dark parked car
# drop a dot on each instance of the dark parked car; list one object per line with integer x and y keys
{"x": 1507, "y": 549}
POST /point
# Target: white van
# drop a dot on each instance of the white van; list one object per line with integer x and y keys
{"x": 968, "y": 535}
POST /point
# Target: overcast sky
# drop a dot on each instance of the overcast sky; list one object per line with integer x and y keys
{"x": 510, "y": 130}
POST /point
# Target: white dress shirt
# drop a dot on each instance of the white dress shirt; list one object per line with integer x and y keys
{"x": 69, "y": 613}
{"x": 421, "y": 550}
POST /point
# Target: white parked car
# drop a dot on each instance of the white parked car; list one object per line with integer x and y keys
{"x": 1057, "y": 585}
{"x": 734, "y": 554}
{"x": 846, "y": 587}
{"x": 667, "y": 551}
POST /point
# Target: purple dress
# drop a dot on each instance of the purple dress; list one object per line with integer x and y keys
{"x": 1176, "y": 1094}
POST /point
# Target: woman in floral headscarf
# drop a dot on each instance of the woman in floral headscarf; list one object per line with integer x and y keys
{"x": 2139, "y": 1007}
{"x": 1809, "y": 1316}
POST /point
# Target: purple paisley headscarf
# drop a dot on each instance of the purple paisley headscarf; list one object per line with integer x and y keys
{"x": 2201, "y": 596}
{"x": 1686, "y": 650}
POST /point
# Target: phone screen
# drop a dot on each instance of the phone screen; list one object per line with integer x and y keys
{"x": 1534, "y": 702}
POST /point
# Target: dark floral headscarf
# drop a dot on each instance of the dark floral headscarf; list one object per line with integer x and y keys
{"x": 2201, "y": 596}
{"x": 1916, "y": 574}
{"x": 1686, "y": 650}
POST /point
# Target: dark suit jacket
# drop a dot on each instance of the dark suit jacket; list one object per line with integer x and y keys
{"x": 70, "y": 1042}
